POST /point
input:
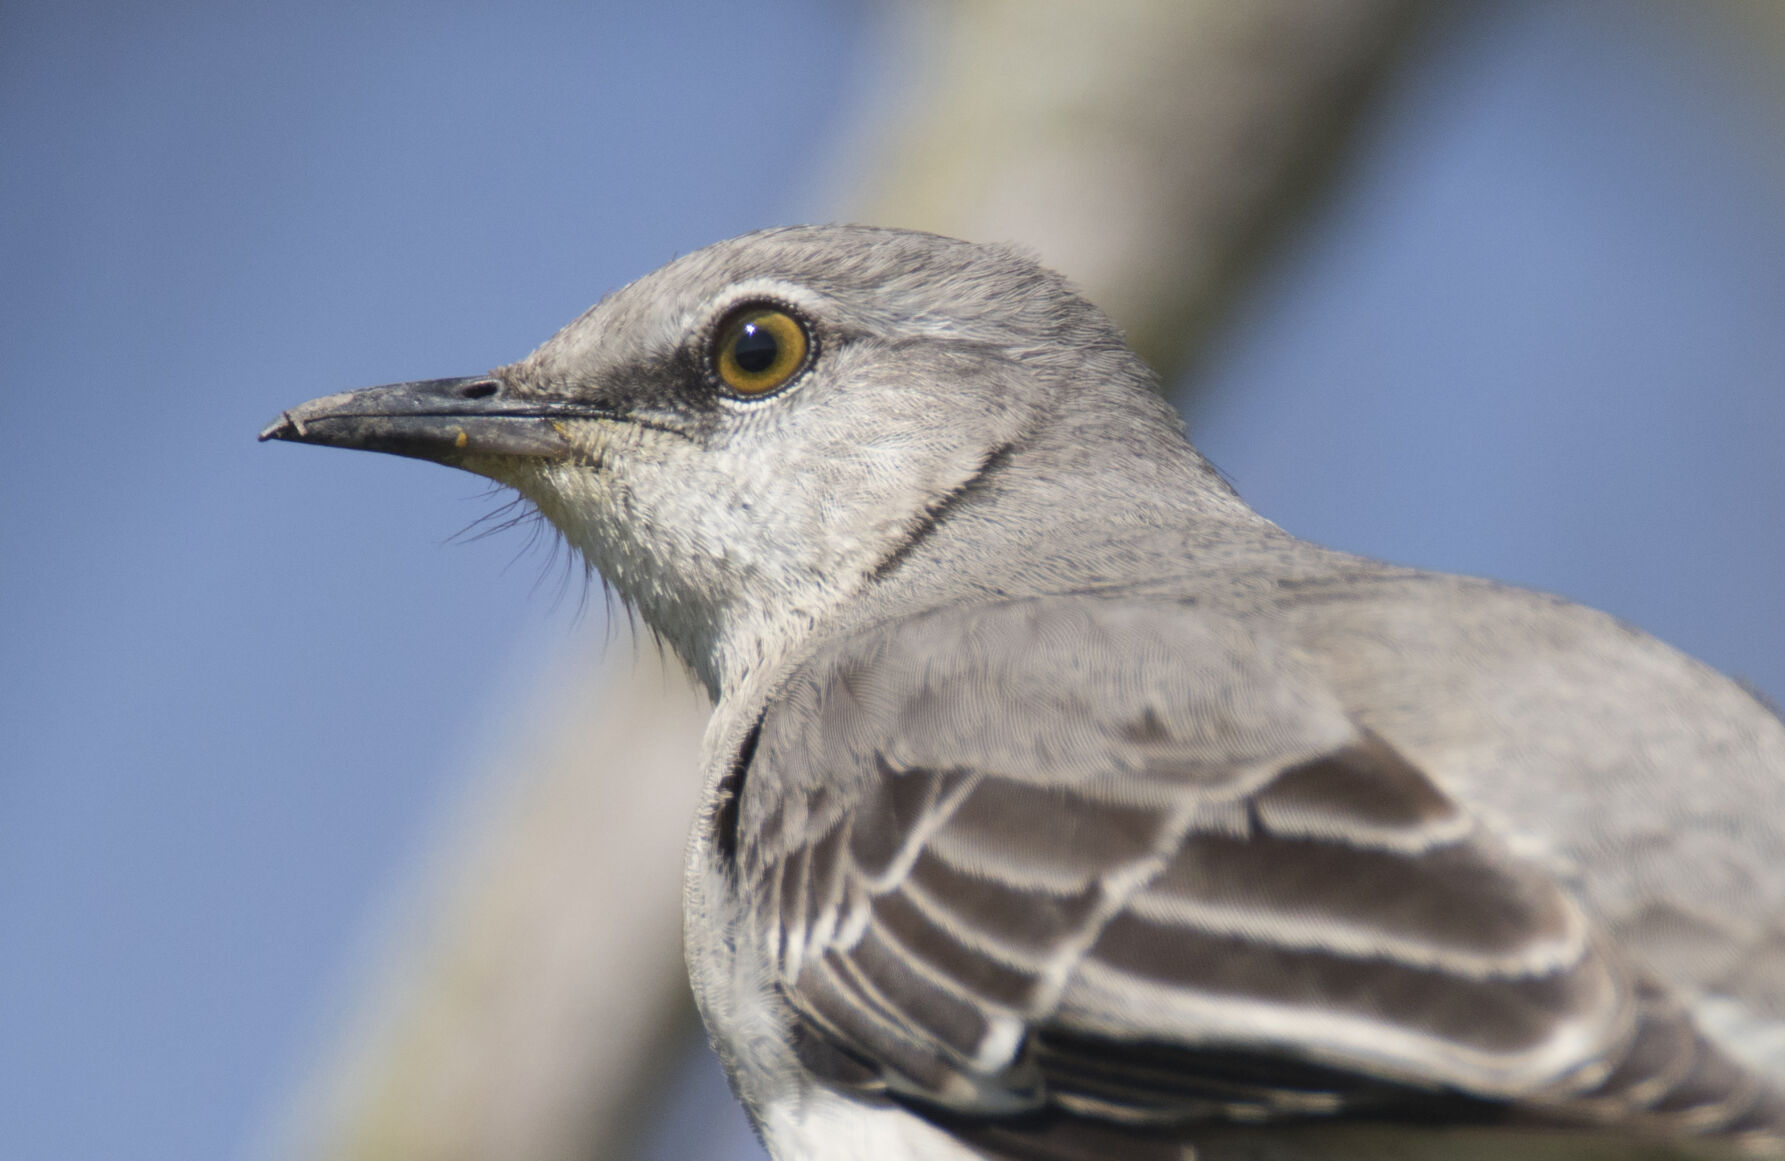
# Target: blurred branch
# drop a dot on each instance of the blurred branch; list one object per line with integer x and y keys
{"x": 536, "y": 1011}
{"x": 1146, "y": 149}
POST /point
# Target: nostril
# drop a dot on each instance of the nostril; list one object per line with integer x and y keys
{"x": 482, "y": 389}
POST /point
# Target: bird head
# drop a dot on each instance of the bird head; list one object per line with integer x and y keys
{"x": 740, "y": 440}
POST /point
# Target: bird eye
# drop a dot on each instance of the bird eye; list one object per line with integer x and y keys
{"x": 759, "y": 349}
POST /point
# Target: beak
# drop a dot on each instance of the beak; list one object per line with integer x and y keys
{"x": 444, "y": 420}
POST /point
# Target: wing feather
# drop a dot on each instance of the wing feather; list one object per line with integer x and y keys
{"x": 1129, "y": 863}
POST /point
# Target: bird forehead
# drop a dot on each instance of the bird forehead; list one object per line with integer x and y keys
{"x": 668, "y": 308}
{"x": 864, "y": 272}
{"x": 867, "y": 281}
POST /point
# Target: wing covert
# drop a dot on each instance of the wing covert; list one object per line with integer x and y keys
{"x": 1130, "y": 863}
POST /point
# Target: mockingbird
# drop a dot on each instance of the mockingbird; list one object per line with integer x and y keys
{"x": 1057, "y": 805}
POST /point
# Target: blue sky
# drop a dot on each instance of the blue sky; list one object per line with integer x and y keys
{"x": 1538, "y": 334}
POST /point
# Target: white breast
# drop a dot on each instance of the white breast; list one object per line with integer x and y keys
{"x": 821, "y": 1125}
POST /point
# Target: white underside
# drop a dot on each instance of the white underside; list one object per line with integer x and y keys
{"x": 827, "y": 1126}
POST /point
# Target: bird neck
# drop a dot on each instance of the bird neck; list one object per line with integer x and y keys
{"x": 1083, "y": 501}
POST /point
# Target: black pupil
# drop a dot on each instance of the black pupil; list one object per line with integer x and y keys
{"x": 756, "y": 349}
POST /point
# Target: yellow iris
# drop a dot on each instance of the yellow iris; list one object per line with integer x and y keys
{"x": 759, "y": 349}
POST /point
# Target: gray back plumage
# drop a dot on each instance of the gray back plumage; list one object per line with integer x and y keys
{"x": 999, "y": 847}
